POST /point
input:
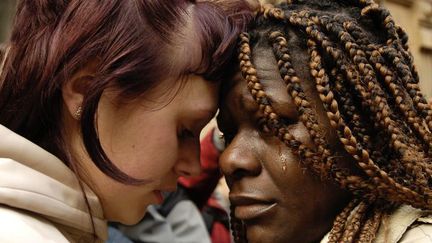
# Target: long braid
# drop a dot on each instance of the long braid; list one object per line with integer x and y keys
{"x": 354, "y": 223}
{"x": 389, "y": 76}
{"x": 306, "y": 113}
{"x": 270, "y": 116}
{"x": 403, "y": 36}
{"x": 361, "y": 128}
{"x": 398, "y": 54}
{"x": 411, "y": 76}
{"x": 410, "y": 83}
{"x": 237, "y": 228}
{"x": 379, "y": 104}
{"x": 383, "y": 114}
{"x": 404, "y": 106}
{"x": 390, "y": 79}
{"x": 310, "y": 158}
{"x": 370, "y": 227}
{"x": 331, "y": 105}
{"x": 367, "y": 87}
{"x": 340, "y": 222}
{"x": 316, "y": 69}
{"x": 369, "y": 167}
{"x": 343, "y": 95}
{"x": 288, "y": 74}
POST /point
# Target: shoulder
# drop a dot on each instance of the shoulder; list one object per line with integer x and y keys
{"x": 405, "y": 225}
{"x": 419, "y": 232}
{"x": 184, "y": 210}
{"x": 187, "y": 223}
{"x": 18, "y": 226}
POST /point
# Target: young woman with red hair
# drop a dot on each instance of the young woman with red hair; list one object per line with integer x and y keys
{"x": 101, "y": 106}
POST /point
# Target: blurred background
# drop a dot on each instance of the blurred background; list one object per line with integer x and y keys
{"x": 415, "y": 16}
{"x": 7, "y": 9}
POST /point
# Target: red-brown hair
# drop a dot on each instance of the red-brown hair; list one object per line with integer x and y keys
{"x": 136, "y": 44}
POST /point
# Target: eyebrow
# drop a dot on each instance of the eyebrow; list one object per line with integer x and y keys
{"x": 247, "y": 102}
{"x": 280, "y": 105}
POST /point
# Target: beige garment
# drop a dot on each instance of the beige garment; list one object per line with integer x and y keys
{"x": 405, "y": 225}
{"x": 40, "y": 197}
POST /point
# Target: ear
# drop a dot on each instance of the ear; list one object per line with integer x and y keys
{"x": 74, "y": 89}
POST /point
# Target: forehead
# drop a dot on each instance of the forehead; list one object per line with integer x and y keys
{"x": 268, "y": 75}
{"x": 237, "y": 93}
{"x": 268, "y": 72}
{"x": 267, "y": 68}
{"x": 191, "y": 96}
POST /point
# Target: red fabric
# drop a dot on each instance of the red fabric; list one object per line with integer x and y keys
{"x": 220, "y": 234}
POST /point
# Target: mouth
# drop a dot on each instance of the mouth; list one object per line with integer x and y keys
{"x": 159, "y": 197}
{"x": 162, "y": 193}
{"x": 247, "y": 207}
{"x": 169, "y": 189}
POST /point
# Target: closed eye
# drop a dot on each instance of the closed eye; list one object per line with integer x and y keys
{"x": 264, "y": 128}
{"x": 287, "y": 121}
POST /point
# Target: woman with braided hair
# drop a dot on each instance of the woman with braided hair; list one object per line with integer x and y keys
{"x": 328, "y": 135}
{"x": 101, "y": 107}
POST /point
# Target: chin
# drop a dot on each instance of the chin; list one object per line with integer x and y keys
{"x": 130, "y": 218}
{"x": 258, "y": 234}
{"x": 264, "y": 234}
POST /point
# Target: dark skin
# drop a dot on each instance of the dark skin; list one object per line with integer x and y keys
{"x": 276, "y": 197}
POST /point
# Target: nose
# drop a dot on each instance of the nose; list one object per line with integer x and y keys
{"x": 189, "y": 164}
{"x": 240, "y": 158}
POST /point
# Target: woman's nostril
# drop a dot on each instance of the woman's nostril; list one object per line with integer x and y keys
{"x": 196, "y": 171}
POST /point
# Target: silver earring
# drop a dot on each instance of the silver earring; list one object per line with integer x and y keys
{"x": 78, "y": 113}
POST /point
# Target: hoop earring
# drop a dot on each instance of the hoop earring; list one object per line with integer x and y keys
{"x": 78, "y": 113}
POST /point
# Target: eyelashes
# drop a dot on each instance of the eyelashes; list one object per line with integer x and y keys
{"x": 263, "y": 127}
{"x": 227, "y": 135}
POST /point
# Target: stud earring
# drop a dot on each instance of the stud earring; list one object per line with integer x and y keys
{"x": 78, "y": 113}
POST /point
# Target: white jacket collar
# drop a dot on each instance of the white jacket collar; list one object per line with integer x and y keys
{"x": 37, "y": 181}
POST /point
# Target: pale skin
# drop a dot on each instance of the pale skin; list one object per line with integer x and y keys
{"x": 155, "y": 138}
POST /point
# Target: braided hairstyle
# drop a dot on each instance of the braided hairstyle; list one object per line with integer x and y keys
{"x": 365, "y": 77}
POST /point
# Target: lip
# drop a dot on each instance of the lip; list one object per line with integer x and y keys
{"x": 158, "y": 195}
{"x": 249, "y": 207}
{"x": 169, "y": 189}
{"x": 161, "y": 193}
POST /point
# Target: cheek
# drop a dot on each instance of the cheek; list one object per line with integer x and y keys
{"x": 302, "y": 189}
{"x": 283, "y": 164}
{"x": 153, "y": 156}
{"x": 301, "y": 134}
{"x": 142, "y": 148}
{"x": 293, "y": 179}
